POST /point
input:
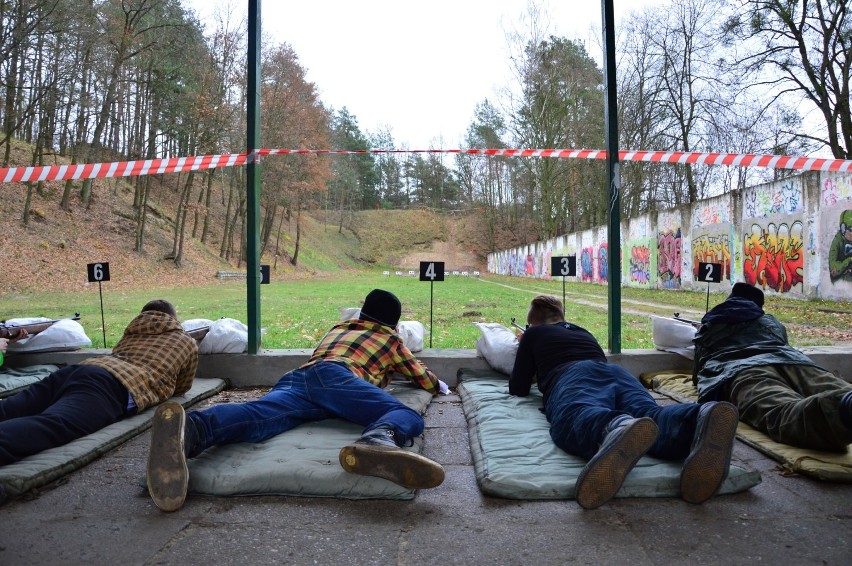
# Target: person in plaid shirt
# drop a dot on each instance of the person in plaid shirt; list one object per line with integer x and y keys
{"x": 154, "y": 360}
{"x": 344, "y": 378}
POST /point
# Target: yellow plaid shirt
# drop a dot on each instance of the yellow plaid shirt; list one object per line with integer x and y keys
{"x": 155, "y": 359}
{"x": 373, "y": 352}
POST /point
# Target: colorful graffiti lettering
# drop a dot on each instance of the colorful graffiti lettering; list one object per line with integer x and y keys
{"x": 772, "y": 256}
{"x": 587, "y": 265}
{"x": 529, "y": 266}
{"x": 669, "y": 252}
{"x": 712, "y": 249}
{"x": 836, "y": 189}
{"x": 707, "y": 215}
{"x": 603, "y": 263}
{"x": 640, "y": 264}
{"x": 791, "y": 196}
{"x": 776, "y": 199}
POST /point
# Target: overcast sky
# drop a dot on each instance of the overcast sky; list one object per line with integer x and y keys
{"x": 416, "y": 67}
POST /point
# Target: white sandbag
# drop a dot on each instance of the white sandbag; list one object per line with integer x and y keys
{"x": 226, "y": 335}
{"x": 412, "y": 333}
{"x": 349, "y": 313}
{"x": 63, "y": 335}
{"x": 196, "y": 323}
{"x": 498, "y": 345}
{"x": 670, "y": 335}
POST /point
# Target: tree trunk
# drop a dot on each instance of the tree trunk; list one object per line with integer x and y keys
{"x": 226, "y": 229}
{"x": 294, "y": 260}
{"x": 141, "y": 214}
{"x": 278, "y": 240}
{"x": 205, "y": 230}
{"x": 180, "y": 219}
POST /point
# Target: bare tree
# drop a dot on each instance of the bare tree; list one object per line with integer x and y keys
{"x": 801, "y": 47}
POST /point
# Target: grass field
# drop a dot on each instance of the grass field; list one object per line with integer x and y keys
{"x": 296, "y": 314}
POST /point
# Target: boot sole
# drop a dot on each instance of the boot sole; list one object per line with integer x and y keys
{"x": 603, "y": 475}
{"x": 707, "y": 465}
{"x": 408, "y": 469}
{"x": 167, "y": 474}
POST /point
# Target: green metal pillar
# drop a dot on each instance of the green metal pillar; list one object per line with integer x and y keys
{"x": 253, "y": 178}
{"x": 613, "y": 178}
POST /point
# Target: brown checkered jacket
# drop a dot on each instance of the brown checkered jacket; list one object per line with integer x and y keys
{"x": 155, "y": 359}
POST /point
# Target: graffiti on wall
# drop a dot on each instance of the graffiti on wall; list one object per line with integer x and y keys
{"x": 772, "y": 256}
{"x": 840, "y": 251}
{"x": 603, "y": 263}
{"x": 714, "y": 211}
{"x": 836, "y": 188}
{"x": 715, "y": 248}
{"x": 778, "y": 198}
{"x": 640, "y": 264}
{"x": 639, "y": 227}
{"x": 587, "y": 264}
{"x": 669, "y": 252}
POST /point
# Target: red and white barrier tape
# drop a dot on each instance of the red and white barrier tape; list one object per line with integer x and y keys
{"x": 178, "y": 164}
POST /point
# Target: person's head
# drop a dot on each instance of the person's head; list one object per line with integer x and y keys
{"x": 160, "y": 305}
{"x": 383, "y": 307}
{"x": 746, "y": 291}
{"x": 545, "y": 309}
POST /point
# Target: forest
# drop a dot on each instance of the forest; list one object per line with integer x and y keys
{"x": 86, "y": 81}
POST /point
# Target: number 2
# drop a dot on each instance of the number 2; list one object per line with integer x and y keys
{"x": 709, "y": 275}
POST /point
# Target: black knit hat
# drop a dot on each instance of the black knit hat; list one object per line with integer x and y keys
{"x": 746, "y": 291}
{"x": 382, "y": 307}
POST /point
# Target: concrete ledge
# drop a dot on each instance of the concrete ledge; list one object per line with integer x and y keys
{"x": 264, "y": 369}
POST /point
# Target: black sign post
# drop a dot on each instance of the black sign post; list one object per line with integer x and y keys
{"x": 431, "y": 271}
{"x": 566, "y": 266}
{"x": 99, "y": 272}
{"x": 264, "y": 275}
{"x": 712, "y": 273}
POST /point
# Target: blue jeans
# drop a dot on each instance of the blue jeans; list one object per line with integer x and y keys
{"x": 322, "y": 391}
{"x": 590, "y": 394}
{"x": 69, "y": 403}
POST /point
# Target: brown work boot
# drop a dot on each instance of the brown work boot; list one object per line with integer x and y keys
{"x": 709, "y": 459}
{"x": 626, "y": 441}
{"x": 377, "y": 454}
{"x": 167, "y": 473}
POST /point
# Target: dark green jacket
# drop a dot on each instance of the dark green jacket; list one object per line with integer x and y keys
{"x": 724, "y": 346}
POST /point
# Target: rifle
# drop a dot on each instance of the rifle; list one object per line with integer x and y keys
{"x": 198, "y": 333}
{"x": 13, "y": 331}
{"x": 695, "y": 323}
{"x": 518, "y": 326}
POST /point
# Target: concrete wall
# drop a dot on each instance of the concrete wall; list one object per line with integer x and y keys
{"x": 264, "y": 369}
{"x": 790, "y": 237}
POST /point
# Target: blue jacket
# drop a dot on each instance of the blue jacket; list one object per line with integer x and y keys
{"x": 736, "y": 335}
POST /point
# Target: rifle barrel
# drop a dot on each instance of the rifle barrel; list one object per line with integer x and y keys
{"x": 13, "y": 330}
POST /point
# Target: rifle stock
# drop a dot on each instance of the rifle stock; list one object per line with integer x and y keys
{"x": 13, "y": 331}
{"x": 198, "y": 333}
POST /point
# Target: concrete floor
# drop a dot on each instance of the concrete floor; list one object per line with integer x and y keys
{"x": 100, "y": 515}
